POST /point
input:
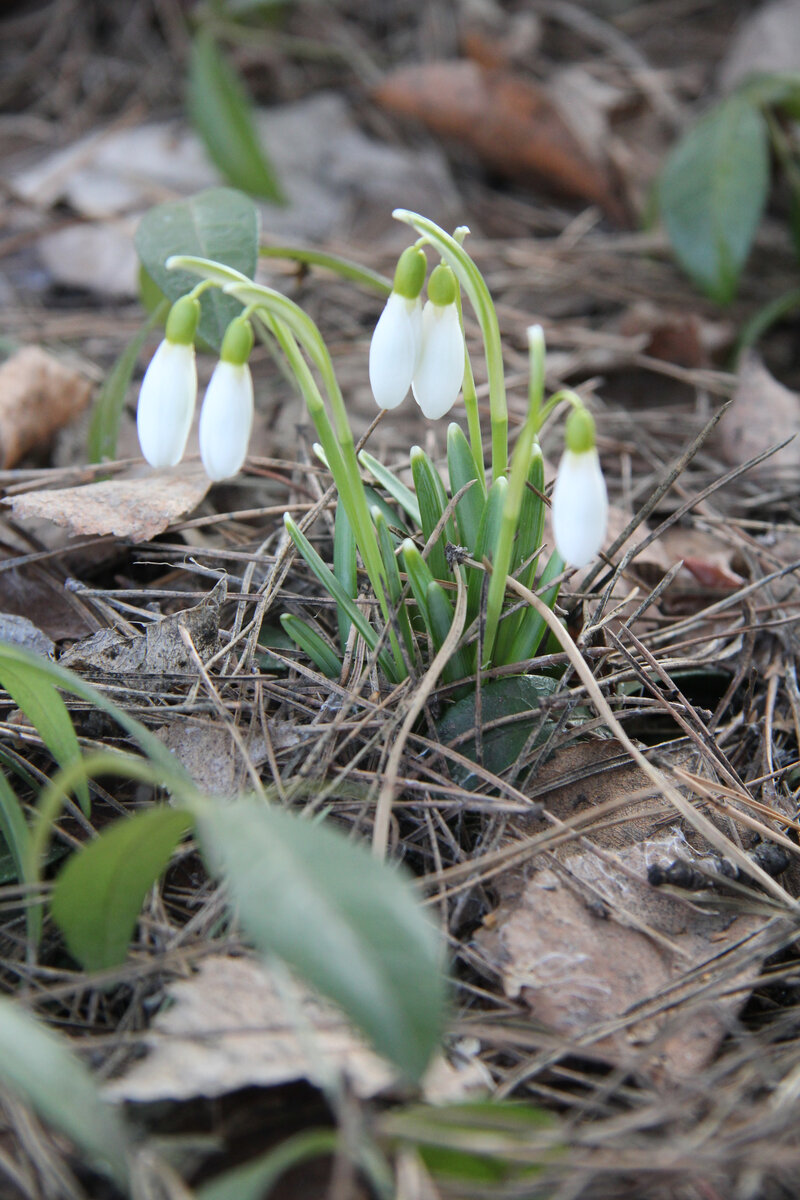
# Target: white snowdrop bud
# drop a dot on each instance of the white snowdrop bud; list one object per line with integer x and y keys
{"x": 395, "y": 346}
{"x": 226, "y": 418}
{"x": 580, "y": 499}
{"x": 440, "y": 370}
{"x": 169, "y": 389}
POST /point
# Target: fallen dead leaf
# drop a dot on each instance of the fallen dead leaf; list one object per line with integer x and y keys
{"x": 507, "y": 120}
{"x": 206, "y": 750}
{"x": 19, "y": 631}
{"x": 134, "y": 508}
{"x": 234, "y": 1025}
{"x": 588, "y": 939}
{"x": 38, "y": 396}
{"x": 160, "y": 650}
{"x": 763, "y": 413}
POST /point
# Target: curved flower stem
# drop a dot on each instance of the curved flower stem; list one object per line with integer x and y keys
{"x": 474, "y": 285}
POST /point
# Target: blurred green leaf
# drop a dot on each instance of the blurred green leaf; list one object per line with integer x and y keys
{"x": 712, "y": 194}
{"x": 347, "y": 923}
{"x": 99, "y": 894}
{"x": 28, "y": 685}
{"x": 221, "y": 113}
{"x": 774, "y": 90}
{"x": 219, "y": 224}
{"x": 37, "y": 1066}
{"x": 255, "y": 1180}
{"x": 312, "y": 644}
{"x": 104, "y": 427}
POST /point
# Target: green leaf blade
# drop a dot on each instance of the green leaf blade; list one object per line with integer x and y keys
{"x": 220, "y": 111}
{"x": 37, "y": 1066}
{"x": 712, "y": 194}
{"x": 99, "y": 895}
{"x": 347, "y": 923}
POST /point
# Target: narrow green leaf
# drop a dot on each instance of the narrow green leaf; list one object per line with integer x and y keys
{"x": 488, "y": 535}
{"x": 712, "y": 194}
{"x": 419, "y": 578}
{"x": 393, "y": 582}
{"x": 332, "y": 586}
{"x": 432, "y": 500}
{"x": 462, "y": 470}
{"x": 38, "y": 1067}
{"x": 532, "y": 626}
{"x": 397, "y": 490}
{"x": 531, "y": 516}
{"x": 99, "y": 894}
{"x": 344, "y": 566}
{"x": 14, "y": 828}
{"x": 220, "y": 111}
{"x": 346, "y": 922}
{"x": 104, "y": 427}
{"x": 255, "y": 1180}
{"x": 441, "y": 615}
{"x": 310, "y": 642}
{"x": 32, "y": 691}
{"x": 219, "y": 224}
{"x": 345, "y": 268}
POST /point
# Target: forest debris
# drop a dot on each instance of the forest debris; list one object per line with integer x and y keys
{"x": 160, "y": 650}
{"x": 97, "y": 257}
{"x": 763, "y": 413}
{"x": 231, "y": 1026}
{"x": 768, "y": 39}
{"x": 134, "y": 508}
{"x": 19, "y": 631}
{"x": 38, "y": 396}
{"x": 506, "y": 119}
{"x": 588, "y": 940}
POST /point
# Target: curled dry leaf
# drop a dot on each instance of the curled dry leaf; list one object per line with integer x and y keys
{"x": 763, "y": 413}
{"x": 584, "y": 939}
{"x": 236, "y": 1024}
{"x": 134, "y": 508}
{"x": 507, "y": 120}
{"x": 38, "y": 396}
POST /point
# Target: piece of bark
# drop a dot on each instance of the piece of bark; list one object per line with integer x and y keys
{"x": 38, "y": 396}
{"x": 507, "y": 120}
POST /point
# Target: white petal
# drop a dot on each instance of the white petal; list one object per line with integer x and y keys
{"x": 394, "y": 350}
{"x": 226, "y": 420}
{"x": 166, "y": 404}
{"x": 580, "y": 507}
{"x": 440, "y": 371}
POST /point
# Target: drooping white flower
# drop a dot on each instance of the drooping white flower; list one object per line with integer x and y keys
{"x": 395, "y": 346}
{"x": 580, "y": 499}
{"x": 440, "y": 370}
{"x": 168, "y": 393}
{"x": 394, "y": 350}
{"x": 226, "y": 418}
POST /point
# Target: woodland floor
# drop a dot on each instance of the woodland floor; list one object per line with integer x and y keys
{"x": 683, "y": 1081}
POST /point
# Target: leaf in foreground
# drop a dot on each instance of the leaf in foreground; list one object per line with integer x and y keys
{"x": 38, "y": 1068}
{"x": 99, "y": 895}
{"x": 31, "y": 689}
{"x": 348, "y": 924}
{"x": 712, "y": 193}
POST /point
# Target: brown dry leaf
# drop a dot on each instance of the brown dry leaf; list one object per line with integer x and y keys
{"x": 160, "y": 650}
{"x": 134, "y": 508}
{"x": 585, "y": 938}
{"x": 763, "y": 413}
{"x": 507, "y": 120}
{"x": 231, "y": 1026}
{"x": 38, "y": 396}
{"x": 706, "y": 557}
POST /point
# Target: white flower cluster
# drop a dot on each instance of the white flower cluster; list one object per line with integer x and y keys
{"x": 416, "y": 347}
{"x": 168, "y": 396}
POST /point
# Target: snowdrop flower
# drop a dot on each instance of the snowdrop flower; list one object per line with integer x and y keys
{"x": 580, "y": 500}
{"x": 169, "y": 389}
{"x": 226, "y": 418}
{"x": 440, "y": 371}
{"x": 394, "y": 350}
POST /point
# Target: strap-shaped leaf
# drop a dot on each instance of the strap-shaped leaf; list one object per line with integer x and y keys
{"x": 397, "y": 490}
{"x": 432, "y": 500}
{"x": 38, "y": 1067}
{"x": 312, "y": 644}
{"x": 99, "y": 895}
{"x": 347, "y": 923}
{"x": 462, "y": 470}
